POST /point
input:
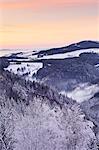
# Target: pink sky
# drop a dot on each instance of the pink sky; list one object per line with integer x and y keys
{"x": 47, "y": 23}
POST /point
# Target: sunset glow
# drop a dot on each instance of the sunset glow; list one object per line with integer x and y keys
{"x": 47, "y": 23}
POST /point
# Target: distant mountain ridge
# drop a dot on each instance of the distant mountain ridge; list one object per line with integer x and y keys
{"x": 72, "y": 47}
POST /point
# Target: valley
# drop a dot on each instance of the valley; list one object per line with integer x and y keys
{"x": 42, "y": 86}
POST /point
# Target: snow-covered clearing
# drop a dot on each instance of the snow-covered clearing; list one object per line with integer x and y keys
{"x": 30, "y": 55}
{"x": 24, "y": 68}
{"x": 72, "y": 54}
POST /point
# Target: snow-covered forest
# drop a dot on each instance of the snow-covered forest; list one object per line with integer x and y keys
{"x": 34, "y": 117}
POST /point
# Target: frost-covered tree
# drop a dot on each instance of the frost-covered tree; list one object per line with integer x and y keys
{"x": 43, "y": 128}
{"x": 6, "y": 130}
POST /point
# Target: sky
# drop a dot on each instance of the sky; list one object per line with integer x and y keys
{"x": 47, "y": 23}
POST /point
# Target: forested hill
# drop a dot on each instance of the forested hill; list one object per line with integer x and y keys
{"x": 33, "y": 116}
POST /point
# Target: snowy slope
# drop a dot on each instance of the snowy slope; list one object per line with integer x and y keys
{"x": 36, "y": 122}
{"x": 27, "y": 69}
{"x": 81, "y": 93}
{"x": 75, "y": 53}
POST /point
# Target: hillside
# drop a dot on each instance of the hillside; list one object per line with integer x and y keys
{"x": 53, "y": 93}
{"x": 35, "y": 117}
